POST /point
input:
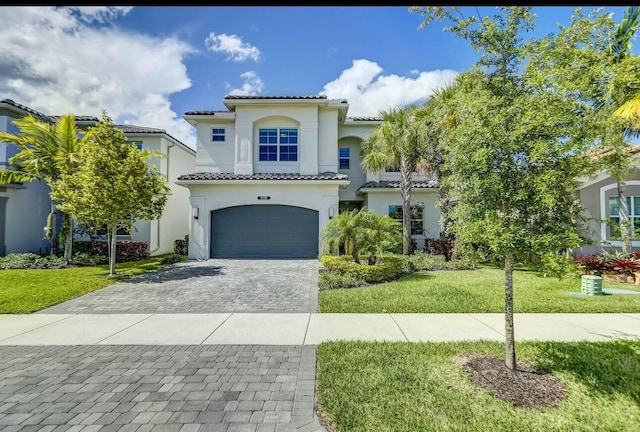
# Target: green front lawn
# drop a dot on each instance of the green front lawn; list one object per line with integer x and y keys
{"x": 25, "y": 291}
{"x": 376, "y": 386}
{"x": 478, "y": 291}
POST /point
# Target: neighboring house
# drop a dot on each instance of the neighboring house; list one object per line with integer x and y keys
{"x": 271, "y": 172}
{"x": 599, "y": 198}
{"x": 24, "y": 207}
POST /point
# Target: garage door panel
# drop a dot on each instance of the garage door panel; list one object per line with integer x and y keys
{"x": 269, "y": 231}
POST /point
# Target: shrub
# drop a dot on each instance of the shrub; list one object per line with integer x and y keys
{"x": 440, "y": 246}
{"x": 88, "y": 259}
{"x": 330, "y": 280}
{"x": 172, "y": 258}
{"x": 125, "y": 251}
{"x": 181, "y": 247}
{"x": 622, "y": 265}
{"x": 592, "y": 264}
{"x": 389, "y": 269}
{"x": 31, "y": 260}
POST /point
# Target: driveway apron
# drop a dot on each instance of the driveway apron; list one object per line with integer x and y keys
{"x": 231, "y": 387}
{"x": 211, "y": 286}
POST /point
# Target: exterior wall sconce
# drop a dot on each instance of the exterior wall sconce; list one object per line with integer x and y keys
{"x": 330, "y": 212}
{"x": 195, "y": 212}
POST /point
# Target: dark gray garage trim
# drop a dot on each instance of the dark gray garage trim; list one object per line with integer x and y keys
{"x": 264, "y": 231}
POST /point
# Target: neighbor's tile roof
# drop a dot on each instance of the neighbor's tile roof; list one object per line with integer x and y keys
{"x": 23, "y": 107}
{"x": 263, "y": 176}
{"x": 206, "y": 112}
{"x": 81, "y": 118}
{"x": 129, "y": 128}
{"x": 364, "y": 118}
{"x": 275, "y": 97}
{"x": 389, "y": 184}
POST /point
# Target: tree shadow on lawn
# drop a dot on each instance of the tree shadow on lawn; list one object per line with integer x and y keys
{"x": 176, "y": 272}
{"x": 603, "y": 367}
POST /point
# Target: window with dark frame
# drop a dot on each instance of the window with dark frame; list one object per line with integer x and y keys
{"x": 343, "y": 158}
{"x": 217, "y": 134}
{"x": 417, "y": 217}
{"x": 278, "y": 145}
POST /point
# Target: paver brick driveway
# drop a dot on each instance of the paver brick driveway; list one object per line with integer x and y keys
{"x": 157, "y": 388}
{"x": 211, "y": 286}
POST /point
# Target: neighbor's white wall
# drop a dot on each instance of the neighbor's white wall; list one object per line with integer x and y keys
{"x": 174, "y": 222}
{"x": 379, "y": 203}
{"x": 212, "y": 197}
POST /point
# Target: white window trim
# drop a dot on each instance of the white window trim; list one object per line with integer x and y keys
{"x": 604, "y": 214}
{"x": 225, "y": 135}
{"x": 278, "y": 145}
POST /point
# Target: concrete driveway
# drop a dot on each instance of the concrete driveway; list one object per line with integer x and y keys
{"x": 211, "y": 286}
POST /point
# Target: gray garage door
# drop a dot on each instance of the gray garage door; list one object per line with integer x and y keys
{"x": 264, "y": 231}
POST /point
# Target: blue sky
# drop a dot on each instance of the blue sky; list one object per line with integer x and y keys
{"x": 149, "y": 65}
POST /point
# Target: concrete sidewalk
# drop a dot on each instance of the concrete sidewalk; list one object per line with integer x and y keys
{"x": 305, "y": 328}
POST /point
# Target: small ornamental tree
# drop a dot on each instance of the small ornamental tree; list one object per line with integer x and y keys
{"x": 515, "y": 149}
{"x": 362, "y": 232}
{"x": 113, "y": 186}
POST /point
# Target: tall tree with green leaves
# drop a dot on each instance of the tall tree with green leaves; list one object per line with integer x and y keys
{"x": 46, "y": 150}
{"x": 398, "y": 142}
{"x": 114, "y": 185}
{"x": 591, "y": 60}
{"x": 515, "y": 152}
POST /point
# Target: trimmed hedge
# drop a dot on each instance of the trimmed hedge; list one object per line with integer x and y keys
{"x": 125, "y": 250}
{"x": 390, "y": 269}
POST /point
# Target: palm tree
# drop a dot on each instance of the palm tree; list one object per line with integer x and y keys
{"x": 46, "y": 150}
{"x": 343, "y": 230}
{"x": 624, "y": 101}
{"x": 399, "y": 141}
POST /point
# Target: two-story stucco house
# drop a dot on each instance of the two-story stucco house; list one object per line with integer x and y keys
{"x": 24, "y": 207}
{"x": 271, "y": 172}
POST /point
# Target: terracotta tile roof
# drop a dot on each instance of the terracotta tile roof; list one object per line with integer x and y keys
{"x": 206, "y": 112}
{"x": 275, "y": 97}
{"x": 263, "y": 176}
{"x": 393, "y": 184}
{"x": 595, "y": 154}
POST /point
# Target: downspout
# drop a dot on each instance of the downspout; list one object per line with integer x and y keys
{"x": 158, "y": 229}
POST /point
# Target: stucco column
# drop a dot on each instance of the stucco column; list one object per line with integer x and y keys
{"x": 198, "y": 229}
{"x": 308, "y": 148}
{"x": 3, "y": 212}
{"x": 243, "y": 150}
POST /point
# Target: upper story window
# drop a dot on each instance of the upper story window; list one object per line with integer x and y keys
{"x": 417, "y": 217}
{"x": 217, "y": 134}
{"x": 633, "y": 204}
{"x": 344, "y": 157}
{"x": 278, "y": 145}
{"x": 138, "y": 144}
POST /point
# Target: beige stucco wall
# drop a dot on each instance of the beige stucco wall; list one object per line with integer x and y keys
{"x": 215, "y": 156}
{"x": 379, "y": 202}
{"x": 320, "y": 197}
{"x": 355, "y": 173}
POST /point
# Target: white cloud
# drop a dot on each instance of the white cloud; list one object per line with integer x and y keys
{"x": 368, "y": 92}
{"x": 252, "y": 86}
{"x": 100, "y": 14}
{"x": 82, "y": 69}
{"x": 233, "y": 46}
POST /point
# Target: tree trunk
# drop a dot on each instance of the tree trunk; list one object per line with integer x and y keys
{"x": 112, "y": 250}
{"x": 405, "y": 192}
{"x": 68, "y": 240}
{"x": 510, "y": 359}
{"x": 54, "y": 231}
{"x": 623, "y": 213}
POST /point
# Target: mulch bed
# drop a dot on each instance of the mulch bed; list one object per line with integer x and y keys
{"x": 527, "y": 386}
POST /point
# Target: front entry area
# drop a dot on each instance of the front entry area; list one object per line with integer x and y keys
{"x": 264, "y": 231}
